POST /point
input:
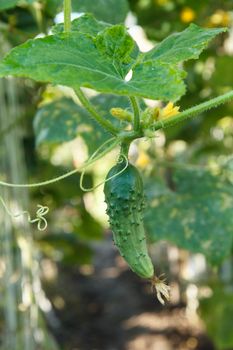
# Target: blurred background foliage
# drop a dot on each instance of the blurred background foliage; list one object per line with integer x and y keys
{"x": 187, "y": 170}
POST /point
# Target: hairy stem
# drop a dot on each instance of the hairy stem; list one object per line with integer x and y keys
{"x": 90, "y": 108}
{"x": 67, "y": 15}
{"x": 125, "y": 148}
{"x": 136, "y": 110}
{"x": 193, "y": 111}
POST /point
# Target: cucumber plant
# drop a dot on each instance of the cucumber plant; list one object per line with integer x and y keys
{"x": 87, "y": 53}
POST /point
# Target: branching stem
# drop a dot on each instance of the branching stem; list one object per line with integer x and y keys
{"x": 193, "y": 111}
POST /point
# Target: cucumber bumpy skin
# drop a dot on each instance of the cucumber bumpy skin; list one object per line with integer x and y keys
{"x": 125, "y": 204}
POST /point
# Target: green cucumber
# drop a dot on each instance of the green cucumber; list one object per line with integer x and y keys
{"x": 125, "y": 204}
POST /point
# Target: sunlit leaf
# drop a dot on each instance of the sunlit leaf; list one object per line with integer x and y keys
{"x": 74, "y": 60}
{"x": 183, "y": 46}
{"x": 77, "y": 59}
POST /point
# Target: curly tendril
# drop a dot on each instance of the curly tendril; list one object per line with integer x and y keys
{"x": 43, "y": 210}
{"x": 40, "y": 219}
{"x": 40, "y": 213}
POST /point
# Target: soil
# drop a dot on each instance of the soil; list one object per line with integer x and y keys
{"x": 107, "y": 307}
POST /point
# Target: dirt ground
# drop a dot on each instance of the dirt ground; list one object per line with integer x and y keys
{"x": 107, "y": 307}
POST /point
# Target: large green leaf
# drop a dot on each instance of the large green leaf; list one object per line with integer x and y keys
{"x": 63, "y": 120}
{"x": 101, "y": 63}
{"x": 117, "y": 45}
{"x": 6, "y": 4}
{"x": 197, "y": 216}
{"x": 74, "y": 60}
{"x": 183, "y": 46}
{"x": 111, "y": 11}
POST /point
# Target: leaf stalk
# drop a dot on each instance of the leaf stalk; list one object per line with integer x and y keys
{"x": 136, "y": 111}
{"x": 90, "y": 108}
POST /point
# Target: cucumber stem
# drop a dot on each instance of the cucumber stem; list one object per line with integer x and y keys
{"x": 193, "y": 111}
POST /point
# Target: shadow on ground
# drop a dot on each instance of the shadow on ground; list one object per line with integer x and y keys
{"x": 109, "y": 308}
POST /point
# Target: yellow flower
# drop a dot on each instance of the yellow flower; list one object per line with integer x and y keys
{"x": 220, "y": 18}
{"x": 169, "y": 111}
{"x": 143, "y": 160}
{"x": 187, "y": 15}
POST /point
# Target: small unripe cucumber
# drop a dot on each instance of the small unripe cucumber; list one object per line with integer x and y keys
{"x": 125, "y": 204}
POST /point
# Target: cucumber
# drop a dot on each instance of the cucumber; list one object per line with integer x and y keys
{"x": 125, "y": 204}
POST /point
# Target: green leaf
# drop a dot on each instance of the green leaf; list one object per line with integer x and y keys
{"x": 117, "y": 45}
{"x": 6, "y": 4}
{"x": 74, "y": 60}
{"x": 111, "y": 11}
{"x": 183, "y": 46}
{"x": 29, "y": 2}
{"x": 63, "y": 120}
{"x": 217, "y": 314}
{"x": 197, "y": 216}
{"x": 86, "y": 24}
{"x": 156, "y": 80}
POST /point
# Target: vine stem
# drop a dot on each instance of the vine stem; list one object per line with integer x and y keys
{"x": 89, "y": 107}
{"x": 193, "y": 111}
{"x": 67, "y": 15}
{"x": 124, "y": 149}
{"x": 136, "y": 111}
{"x": 115, "y": 142}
